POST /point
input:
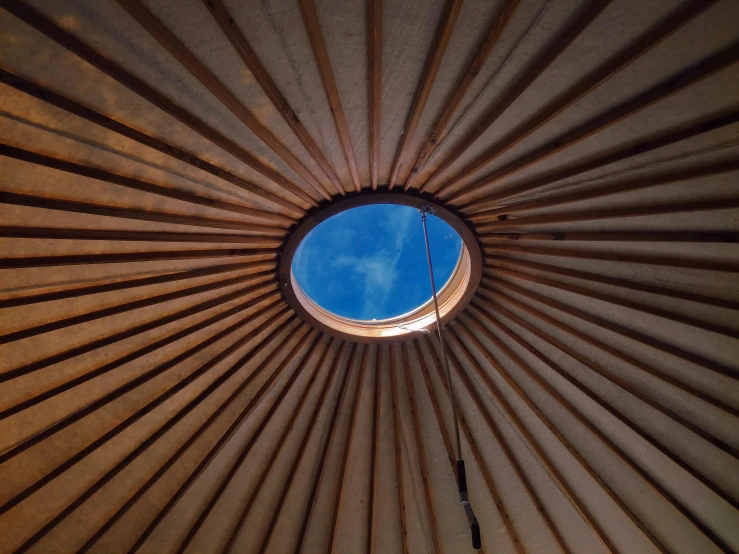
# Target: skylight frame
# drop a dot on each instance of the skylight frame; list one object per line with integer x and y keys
{"x": 453, "y": 297}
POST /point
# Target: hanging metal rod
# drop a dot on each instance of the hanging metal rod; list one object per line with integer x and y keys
{"x": 461, "y": 474}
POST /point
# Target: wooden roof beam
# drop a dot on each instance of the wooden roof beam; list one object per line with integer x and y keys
{"x": 227, "y": 24}
{"x": 540, "y": 454}
{"x": 637, "y": 337}
{"x": 165, "y": 277}
{"x": 493, "y": 299}
{"x": 439, "y": 131}
{"x": 667, "y": 88}
{"x": 420, "y": 448}
{"x": 85, "y": 348}
{"x": 645, "y": 43}
{"x": 548, "y": 54}
{"x": 310, "y": 336}
{"x": 313, "y": 26}
{"x": 476, "y": 454}
{"x": 648, "y": 259}
{"x": 35, "y": 19}
{"x": 288, "y": 325}
{"x": 398, "y": 448}
{"x": 132, "y": 257}
{"x": 351, "y": 432}
{"x": 660, "y": 179}
{"x": 152, "y": 300}
{"x": 431, "y": 68}
{"x": 136, "y": 184}
{"x": 121, "y": 426}
{"x": 235, "y": 465}
{"x": 495, "y": 261}
{"x": 178, "y": 50}
{"x": 70, "y": 106}
{"x": 499, "y": 440}
{"x": 312, "y": 426}
{"x": 327, "y": 447}
{"x": 120, "y": 361}
{"x": 598, "y": 399}
{"x": 374, "y": 64}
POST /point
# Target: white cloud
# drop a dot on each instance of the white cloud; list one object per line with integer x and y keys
{"x": 379, "y": 271}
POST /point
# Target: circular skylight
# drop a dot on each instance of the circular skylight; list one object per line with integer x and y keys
{"x": 368, "y": 263}
{"x": 356, "y": 268}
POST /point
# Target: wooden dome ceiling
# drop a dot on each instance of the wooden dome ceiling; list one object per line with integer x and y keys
{"x": 159, "y": 395}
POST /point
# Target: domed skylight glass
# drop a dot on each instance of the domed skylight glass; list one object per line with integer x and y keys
{"x": 369, "y": 263}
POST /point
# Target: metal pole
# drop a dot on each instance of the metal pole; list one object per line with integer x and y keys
{"x": 424, "y": 210}
{"x": 461, "y": 474}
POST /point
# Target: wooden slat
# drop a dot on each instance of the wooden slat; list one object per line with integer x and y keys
{"x": 122, "y": 360}
{"x": 655, "y": 180}
{"x": 647, "y": 41}
{"x": 439, "y": 131}
{"x": 617, "y": 329}
{"x": 548, "y": 54}
{"x": 165, "y": 277}
{"x": 301, "y": 449}
{"x": 99, "y": 442}
{"x": 313, "y": 26}
{"x": 286, "y": 327}
{"x": 140, "y": 449}
{"x": 178, "y": 50}
{"x": 37, "y": 91}
{"x": 134, "y": 184}
{"x": 493, "y": 361}
{"x": 500, "y": 441}
{"x": 617, "y": 213}
{"x": 32, "y": 201}
{"x": 374, "y": 453}
{"x": 133, "y": 257}
{"x": 431, "y": 68}
{"x": 660, "y": 140}
{"x": 623, "y": 456}
{"x": 374, "y": 65}
{"x": 435, "y": 403}
{"x": 601, "y": 370}
{"x": 548, "y": 362}
{"x": 227, "y": 24}
{"x": 267, "y": 467}
{"x": 92, "y": 315}
{"x": 665, "y": 89}
{"x": 114, "y": 235}
{"x": 476, "y": 454}
{"x": 398, "y": 448}
{"x": 327, "y": 445}
{"x": 614, "y": 281}
{"x": 647, "y": 259}
{"x": 141, "y": 379}
{"x": 236, "y": 463}
{"x": 603, "y": 323}
{"x": 35, "y": 19}
{"x": 616, "y": 301}
{"x": 543, "y": 458}
{"x": 420, "y": 448}
{"x": 717, "y": 237}
{"x": 307, "y": 334}
{"x": 351, "y": 433}
{"x": 96, "y": 344}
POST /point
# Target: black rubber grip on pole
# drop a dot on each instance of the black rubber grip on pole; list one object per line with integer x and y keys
{"x": 476, "y": 539}
{"x": 474, "y": 526}
{"x": 461, "y": 477}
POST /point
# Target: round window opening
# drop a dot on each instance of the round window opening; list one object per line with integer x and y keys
{"x": 358, "y": 267}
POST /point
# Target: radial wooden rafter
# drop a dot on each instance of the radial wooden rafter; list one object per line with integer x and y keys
{"x": 159, "y": 394}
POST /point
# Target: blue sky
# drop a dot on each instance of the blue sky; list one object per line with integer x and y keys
{"x": 370, "y": 262}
